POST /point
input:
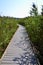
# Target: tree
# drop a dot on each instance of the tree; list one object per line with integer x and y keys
{"x": 34, "y": 11}
{"x": 42, "y": 11}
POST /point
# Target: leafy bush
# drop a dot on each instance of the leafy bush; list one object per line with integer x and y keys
{"x": 8, "y": 27}
{"x": 21, "y": 21}
{"x": 34, "y": 26}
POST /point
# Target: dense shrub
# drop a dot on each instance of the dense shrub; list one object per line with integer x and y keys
{"x": 21, "y": 21}
{"x": 34, "y": 26}
{"x": 8, "y": 27}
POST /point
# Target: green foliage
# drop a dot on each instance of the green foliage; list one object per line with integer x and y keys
{"x": 8, "y": 27}
{"x": 21, "y": 21}
{"x": 34, "y": 26}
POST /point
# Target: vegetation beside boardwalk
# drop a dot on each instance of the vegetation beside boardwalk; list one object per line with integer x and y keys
{"x": 34, "y": 27}
{"x": 8, "y": 27}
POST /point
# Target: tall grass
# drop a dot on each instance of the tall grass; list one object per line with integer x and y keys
{"x": 8, "y": 27}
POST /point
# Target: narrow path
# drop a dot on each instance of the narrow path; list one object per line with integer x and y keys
{"x": 19, "y": 50}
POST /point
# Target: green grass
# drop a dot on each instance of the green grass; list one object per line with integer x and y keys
{"x": 8, "y": 27}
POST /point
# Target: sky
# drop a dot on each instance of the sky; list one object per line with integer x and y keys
{"x": 18, "y": 8}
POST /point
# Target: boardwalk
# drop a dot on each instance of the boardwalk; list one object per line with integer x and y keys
{"x": 19, "y": 50}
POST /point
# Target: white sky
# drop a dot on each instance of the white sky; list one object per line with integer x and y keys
{"x": 18, "y": 8}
